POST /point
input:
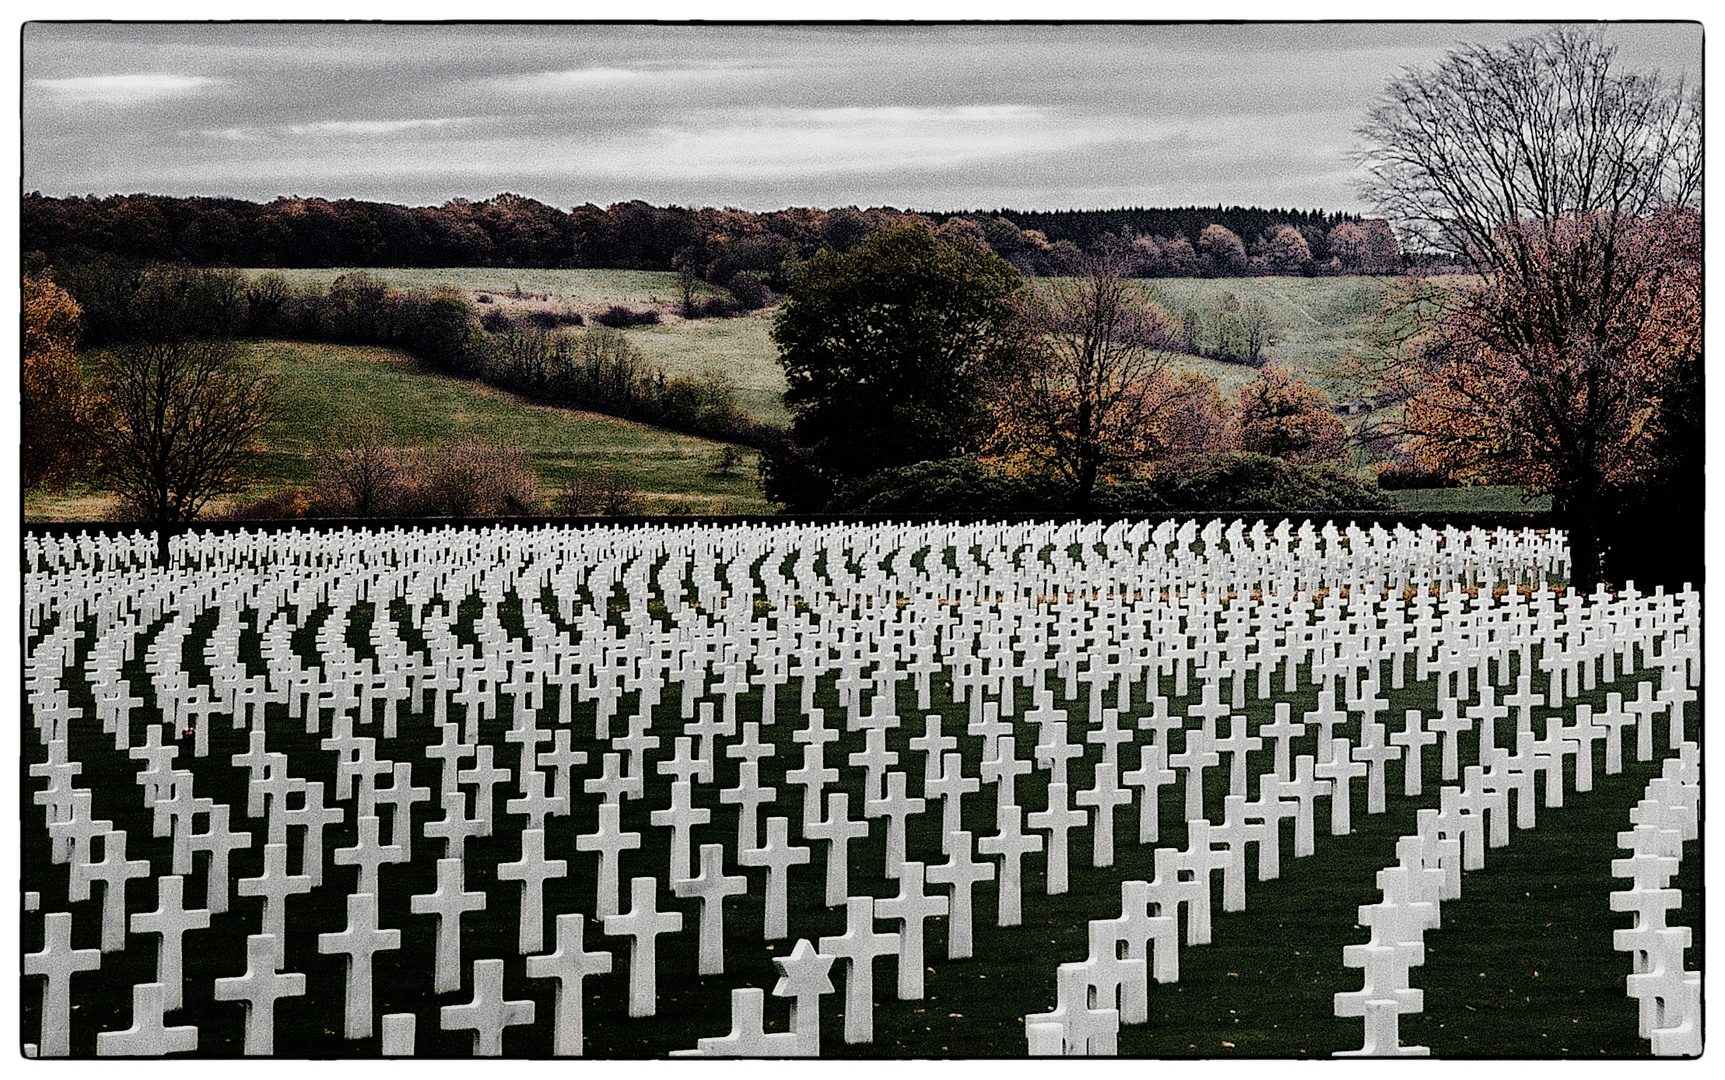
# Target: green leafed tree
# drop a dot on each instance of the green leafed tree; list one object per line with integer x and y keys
{"x": 885, "y": 350}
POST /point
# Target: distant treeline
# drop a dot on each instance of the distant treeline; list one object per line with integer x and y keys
{"x": 715, "y": 245}
{"x": 1085, "y": 227}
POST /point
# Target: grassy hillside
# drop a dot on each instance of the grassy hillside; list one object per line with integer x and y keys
{"x": 737, "y": 347}
{"x": 1317, "y": 318}
{"x": 591, "y": 286}
{"x": 326, "y": 388}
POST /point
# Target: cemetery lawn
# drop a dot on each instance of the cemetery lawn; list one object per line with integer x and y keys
{"x": 1522, "y": 965}
{"x": 1471, "y": 499}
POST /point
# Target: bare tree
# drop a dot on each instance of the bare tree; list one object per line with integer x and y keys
{"x": 1258, "y": 329}
{"x": 178, "y": 421}
{"x": 1092, "y": 386}
{"x": 1544, "y": 168}
{"x": 1542, "y": 130}
{"x": 360, "y": 472}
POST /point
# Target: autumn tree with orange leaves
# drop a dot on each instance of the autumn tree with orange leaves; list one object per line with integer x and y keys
{"x": 1093, "y": 386}
{"x": 1571, "y": 188}
{"x": 1280, "y": 416}
{"x": 54, "y": 403}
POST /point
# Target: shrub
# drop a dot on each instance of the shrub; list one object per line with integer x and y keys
{"x": 553, "y": 318}
{"x": 446, "y": 333}
{"x": 1398, "y": 479}
{"x": 1244, "y": 481}
{"x": 360, "y": 473}
{"x": 791, "y": 476}
{"x": 706, "y": 403}
{"x": 496, "y": 321}
{"x": 1286, "y": 418}
{"x": 602, "y": 492}
{"x": 618, "y": 316}
{"x": 749, "y": 291}
{"x": 474, "y": 477}
{"x": 712, "y": 307}
{"x": 281, "y": 506}
{"x": 954, "y": 486}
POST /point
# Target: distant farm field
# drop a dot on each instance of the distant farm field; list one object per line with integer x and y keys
{"x": 327, "y": 388}
{"x": 592, "y": 286}
{"x": 737, "y": 347}
{"x": 1317, "y": 319}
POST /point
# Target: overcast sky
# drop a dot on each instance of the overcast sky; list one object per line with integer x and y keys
{"x": 1029, "y": 117}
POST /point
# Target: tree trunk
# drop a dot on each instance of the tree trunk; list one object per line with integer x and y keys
{"x": 1086, "y": 487}
{"x": 1581, "y": 517}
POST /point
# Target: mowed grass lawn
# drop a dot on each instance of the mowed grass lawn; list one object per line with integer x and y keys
{"x": 327, "y": 389}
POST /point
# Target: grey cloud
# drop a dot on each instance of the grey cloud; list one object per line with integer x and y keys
{"x": 751, "y": 116}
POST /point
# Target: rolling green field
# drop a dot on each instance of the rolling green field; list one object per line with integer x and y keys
{"x": 1317, "y": 319}
{"x": 326, "y": 388}
{"x": 737, "y": 347}
{"x": 598, "y": 287}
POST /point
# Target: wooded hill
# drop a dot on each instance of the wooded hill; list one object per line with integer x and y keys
{"x": 512, "y": 230}
{"x": 1086, "y": 227}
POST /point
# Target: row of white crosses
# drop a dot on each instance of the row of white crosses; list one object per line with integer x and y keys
{"x": 1669, "y": 996}
{"x": 1110, "y": 986}
{"x": 1181, "y": 558}
{"x": 275, "y": 576}
{"x": 1455, "y": 837}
